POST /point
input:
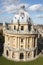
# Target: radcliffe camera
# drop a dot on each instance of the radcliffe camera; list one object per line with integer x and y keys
{"x": 21, "y": 33}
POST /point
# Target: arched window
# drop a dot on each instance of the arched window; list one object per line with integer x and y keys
{"x": 34, "y": 52}
{"x": 7, "y": 53}
{"x": 13, "y": 55}
{"x": 28, "y": 54}
{"x": 21, "y": 55}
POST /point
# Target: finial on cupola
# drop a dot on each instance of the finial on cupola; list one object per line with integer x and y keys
{"x": 22, "y": 7}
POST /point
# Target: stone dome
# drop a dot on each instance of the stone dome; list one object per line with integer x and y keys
{"x": 22, "y": 16}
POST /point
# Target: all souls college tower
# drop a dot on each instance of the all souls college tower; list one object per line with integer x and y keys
{"x": 20, "y": 38}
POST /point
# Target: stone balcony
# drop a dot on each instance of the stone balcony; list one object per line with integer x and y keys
{"x": 20, "y": 32}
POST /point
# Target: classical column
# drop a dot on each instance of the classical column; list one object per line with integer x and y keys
{"x": 30, "y": 42}
{"x": 33, "y": 42}
{"x": 18, "y": 42}
{"x": 36, "y": 51}
{"x": 32, "y": 54}
{"x": 27, "y": 42}
{"x": 10, "y": 53}
{"x": 36, "y": 42}
{"x": 24, "y": 55}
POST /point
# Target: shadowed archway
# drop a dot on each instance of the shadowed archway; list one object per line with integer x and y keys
{"x": 21, "y": 56}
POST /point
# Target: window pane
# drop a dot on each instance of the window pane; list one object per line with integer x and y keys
{"x": 22, "y": 27}
{"x": 29, "y": 27}
{"x": 22, "y": 17}
{"x": 14, "y": 27}
{"x": 7, "y": 52}
{"x": 21, "y": 40}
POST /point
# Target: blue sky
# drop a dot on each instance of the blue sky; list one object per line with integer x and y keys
{"x": 8, "y": 8}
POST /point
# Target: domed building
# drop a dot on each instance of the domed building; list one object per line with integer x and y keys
{"x": 20, "y": 38}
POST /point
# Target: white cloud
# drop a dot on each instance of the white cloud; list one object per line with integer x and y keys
{"x": 13, "y": 8}
{"x": 10, "y": 8}
{"x": 36, "y": 7}
{"x": 10, "y": 1}
{"x": 13, "y": 1}
{"x": 2, "y": 11}
{"x": 39, "y": 16}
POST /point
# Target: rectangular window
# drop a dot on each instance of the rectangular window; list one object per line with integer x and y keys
{"x": 21, "y": 40}
{"x": 29, "y": 27}
{"x": 22, "y": 28}
{"x": 14, "y": 27}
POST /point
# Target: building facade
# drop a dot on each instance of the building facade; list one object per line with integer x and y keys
{"x": 20, "y": 38}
